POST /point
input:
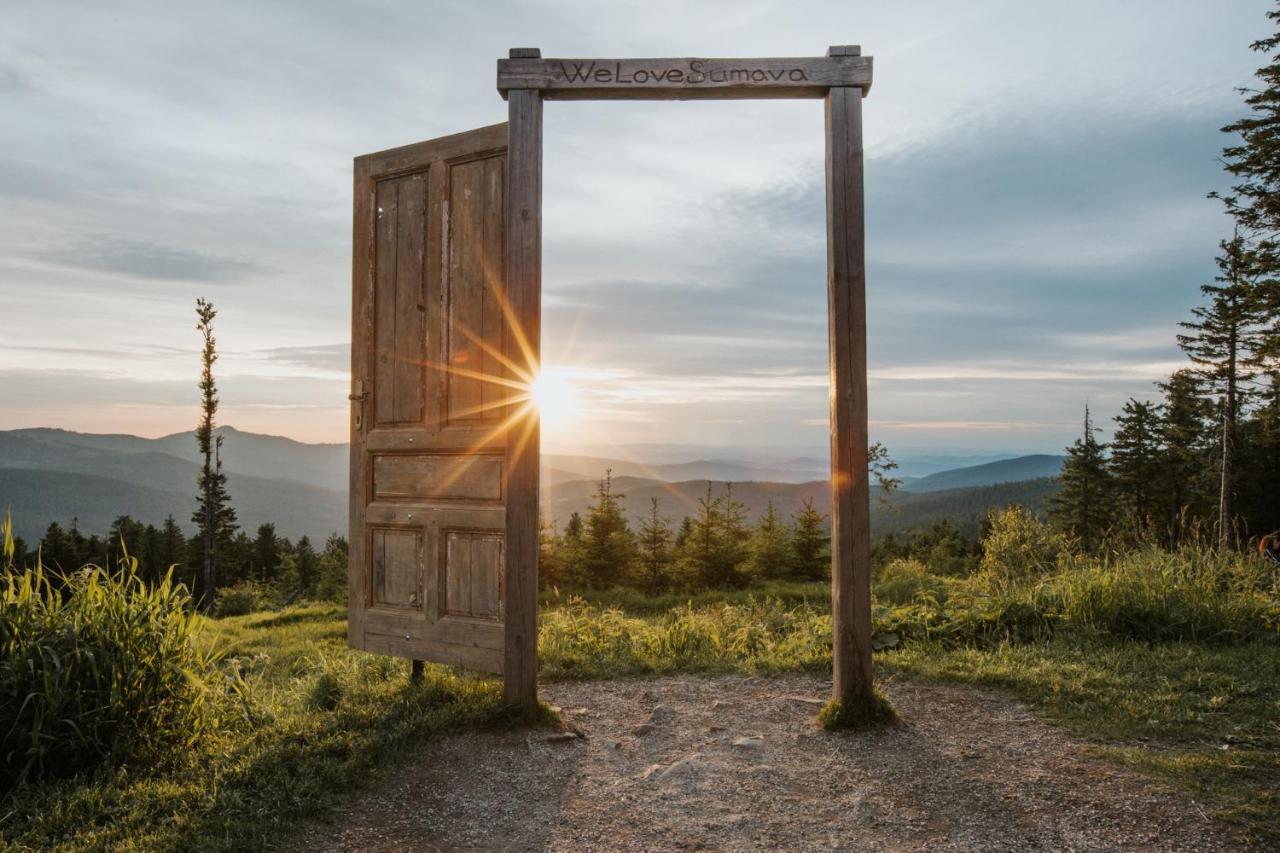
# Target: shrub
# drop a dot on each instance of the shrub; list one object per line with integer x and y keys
{"x": 103, "y": 668}
{"x": 243, "y": 598}
{"x": 1019, "y": 547}
{"x": 903, "y": 581}
{"x": 1149, "y": 594}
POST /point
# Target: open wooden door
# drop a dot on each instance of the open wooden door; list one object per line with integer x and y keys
{"x": 429, "y": 420}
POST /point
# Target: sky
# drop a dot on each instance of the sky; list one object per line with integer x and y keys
{"x": 1036, "y": 179}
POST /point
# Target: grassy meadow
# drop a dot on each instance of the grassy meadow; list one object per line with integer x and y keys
{"x": 1166, "y": 662}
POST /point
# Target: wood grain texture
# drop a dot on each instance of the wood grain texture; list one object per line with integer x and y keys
{"x": 415, "y": 474}
{"x": 437, "y": 476}
{"x": 847, "y": 336}
{"x": 688, "y": 78}
{"x": 524, "y": 293}
{"x": 475, "y": 321}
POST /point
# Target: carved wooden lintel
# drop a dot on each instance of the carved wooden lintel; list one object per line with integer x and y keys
{"x": 686, "y": 78}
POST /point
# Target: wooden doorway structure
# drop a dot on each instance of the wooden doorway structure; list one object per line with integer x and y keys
{"x": 447, "y": 284}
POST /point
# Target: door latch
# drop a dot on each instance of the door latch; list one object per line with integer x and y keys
{"x": 357, "y": 397}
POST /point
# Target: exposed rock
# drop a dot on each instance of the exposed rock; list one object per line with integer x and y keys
{"x": 748, "y": 743}
{"x": 563, "y": 737}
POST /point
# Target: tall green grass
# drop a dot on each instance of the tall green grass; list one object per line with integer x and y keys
{"x": 99, "y": 668}
{"x": 578, "y": 640}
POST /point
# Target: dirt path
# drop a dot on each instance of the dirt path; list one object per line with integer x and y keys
{"x": 737, "y": 764}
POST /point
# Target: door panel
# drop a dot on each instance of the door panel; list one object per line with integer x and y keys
{"x": 428, "y": 453}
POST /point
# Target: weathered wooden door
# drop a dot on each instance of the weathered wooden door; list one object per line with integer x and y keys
{"x": 428, "y": 437}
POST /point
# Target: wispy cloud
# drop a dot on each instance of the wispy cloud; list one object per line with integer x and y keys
{"x": 140, "y": 259}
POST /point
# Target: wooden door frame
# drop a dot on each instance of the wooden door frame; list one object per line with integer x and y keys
{"x": 842, "y": 79}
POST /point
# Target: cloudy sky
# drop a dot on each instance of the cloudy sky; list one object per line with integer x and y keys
{"x": 1036, "y": 177}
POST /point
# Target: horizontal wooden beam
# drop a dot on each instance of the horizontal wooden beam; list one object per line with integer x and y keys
{"x": 685, "y": 79}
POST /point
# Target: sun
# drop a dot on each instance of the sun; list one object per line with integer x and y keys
{"x": 554, "y": 394}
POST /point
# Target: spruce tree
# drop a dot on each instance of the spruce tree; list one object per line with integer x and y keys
{"x": 1184, "y": 417}
{"x": 550, "y": 552}
{"x": 171, "y": 551}
{"x": 655, "y": 550}
{"x": 810, "y": 544}
{"x": 1083, "y": 504}
{"x": 266, "y": 553}
{"x": 683, "y": 532}
{"x": 770, "y": 550}
{"x": 215, "y": 519}
{"x": 735, "y": 539}
{"x": 1137, "y": 465}
{"x": 1220, "y": 341}
{"x": 1254, "y": 158}
{"x": 608, "y": 545}
{"x": 701, "y": 551}
{"x": 1259, "y": 506}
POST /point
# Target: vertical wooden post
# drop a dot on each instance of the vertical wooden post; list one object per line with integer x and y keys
{"x": 524, "y": 294}
{"x": 415, "y": 672}
{"x": 847, "y": 334}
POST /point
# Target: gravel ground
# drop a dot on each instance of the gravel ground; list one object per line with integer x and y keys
{"x": 737, "y": 764}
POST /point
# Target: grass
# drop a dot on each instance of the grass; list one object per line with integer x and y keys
{"x": 858, "y": 713}
{"x": 321, "y": 723}
{"x": 1205, "y": 717}
{"x": 1168, "y": 664}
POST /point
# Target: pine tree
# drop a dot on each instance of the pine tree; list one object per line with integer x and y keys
{"x": 683, "y": 532}
{"x": 55, "y": 549}
{"x": 214, "y": 516}
{"x": 550, "y": 554}
{"x": 1137, "y": 465}
{"x": 573, "y": 530}
{"x": 171, "y": 551}
{"x": 701, "y": 549}
{"x": 1221, "y": 339}
{"x": 655, "y": 550}
{"x": 1183, "y": 426}
{"x": 1255, "y": 159}
{"x": 306, "y": 565}
{"x": 331, "y": 584}
{"x": 735, "y": 541}
{"x": 1083, "y": 503}
{"x": 608, "y": 545}
{"x": 810, "y": 544}
{"x": 770, "y": 550}
{"x": 1258, "y": 505}
{"x": 265, "y": 560}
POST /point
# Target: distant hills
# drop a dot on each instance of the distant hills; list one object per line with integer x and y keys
{"x": 56, "y": 475}
{"x": 1004, "y": 471}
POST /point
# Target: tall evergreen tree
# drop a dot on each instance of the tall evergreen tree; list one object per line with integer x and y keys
{"x": 1184, "y": 417}
{"x": 265, "y": 560}
{"x": 655, "y": 550}
{"x": 608, "y": 545}
{"x": 573, "y": 529}
{"x": 1083, "y": 504}
{"x": 214, "y": 517}
{"x": 683, "y": 532}
{"x": 1136, "y": 466}
{"x": 1254, "y": 157}
{"x": 810, "y": 544}
{"x": 1259, "y": 506}
{"x": 701, "y": 549}
{"x": 770, "y": 550}
{"x": 550, "y": 554}
{"x": 1220, "y": 341}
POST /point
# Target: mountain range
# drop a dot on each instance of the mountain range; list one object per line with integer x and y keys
{"x": 57, "y": 475}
